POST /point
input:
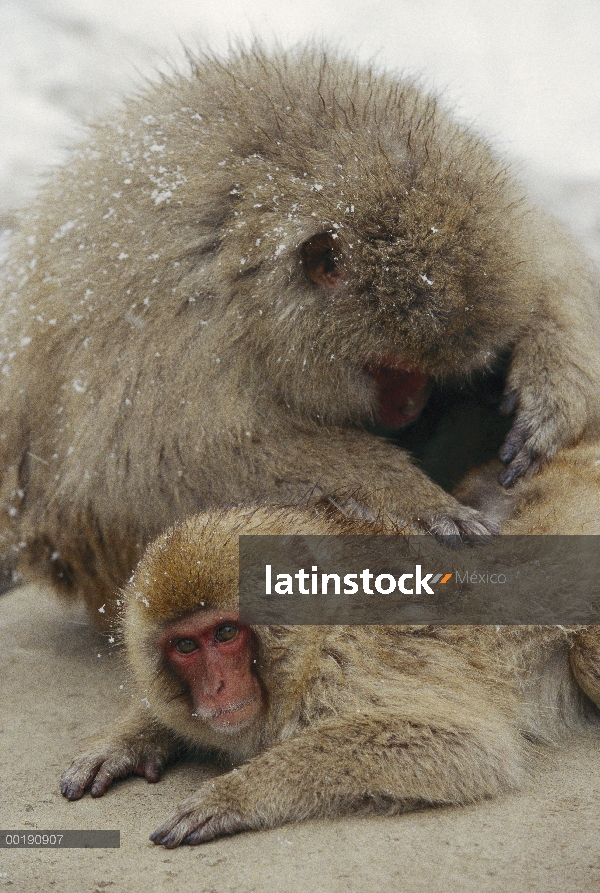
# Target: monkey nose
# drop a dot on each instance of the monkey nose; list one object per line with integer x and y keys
{"x": 213, "y": 687}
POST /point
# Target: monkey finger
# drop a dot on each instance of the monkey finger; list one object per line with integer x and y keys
{"x": 475, "y": 530}
{"x": 150, "y": 769}
{"x": 454, "y": 530}
{"x": 513, "y": 443}
{"x": 74, "y": 783}
{"x": 524, "y": 465}
{"x": 509, "y": 403}
{"x": 216, "y": 826}
{"x": 199, "y": 826}
{"x": 98, "y": 771}
{"x": 176, "y": 829}
{"x": 115, "y": 767}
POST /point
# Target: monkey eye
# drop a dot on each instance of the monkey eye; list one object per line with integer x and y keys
{"x": 323, "y": 263}
{"x": 226, "y": 632}
{"x": 186, "y": 646}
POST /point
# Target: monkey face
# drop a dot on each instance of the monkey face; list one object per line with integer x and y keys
{"x": 213, "y": 654}
{"x": 384, "y": 291}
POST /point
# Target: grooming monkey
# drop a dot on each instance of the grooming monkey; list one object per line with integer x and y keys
{"x": 326, "y": 720}
{"x": 245, "y": 274}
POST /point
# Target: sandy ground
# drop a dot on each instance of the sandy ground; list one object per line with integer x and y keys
{"x": 60, "y": 683}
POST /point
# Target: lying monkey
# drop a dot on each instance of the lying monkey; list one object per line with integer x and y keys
{"x": 324, "y": 720}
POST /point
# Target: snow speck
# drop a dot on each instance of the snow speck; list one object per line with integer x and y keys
{"x": 64, "y": 229}
{"x": 79, "y": 386}
{"x": 160, "y": 197}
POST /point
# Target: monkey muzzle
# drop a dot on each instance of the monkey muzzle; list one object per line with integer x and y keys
{"x": 230, "y": 717}
{"x": 402, "y": 391}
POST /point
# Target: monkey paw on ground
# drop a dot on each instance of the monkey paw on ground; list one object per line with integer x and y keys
{"x": 202, "y": 817}
{"x": 97, "y": 769}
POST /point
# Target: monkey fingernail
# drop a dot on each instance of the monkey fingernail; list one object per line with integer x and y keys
{"x": 170, "y": 841}
{"x": 192, "y": 839}
{"x": 160, "y": 835}
{"x": 507, "y": 477}
{"x": 522, "y": 464}
{"x": 152, "y": 774}
{"x": 509, "y": 449}
{"x": 71, "y": 791}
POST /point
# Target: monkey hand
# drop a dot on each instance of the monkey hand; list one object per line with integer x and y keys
{"x": 450, "y": 520}
{"x": 371, "y": 480}
{"x": 145, "y": 753}
{"x": 539, "y": 429}
{"x": 211, "y": 812}
{"x": 460, "y": 522}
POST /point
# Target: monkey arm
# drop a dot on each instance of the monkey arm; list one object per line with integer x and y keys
{"x": 360, "y": 764}
{"x": 368, "y": 478}
{"x": 140, "y": 746}
{"x": 552, "y": 406}
{"x": 553, "y": 383}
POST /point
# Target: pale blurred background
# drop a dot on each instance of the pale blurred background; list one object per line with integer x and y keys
{"x": 525, "y": 72}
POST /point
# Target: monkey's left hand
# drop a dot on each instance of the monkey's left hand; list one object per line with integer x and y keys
{"x": 210, "y": 812}
{"x": 545, "y": 420}
{"x": 530, "y": 441}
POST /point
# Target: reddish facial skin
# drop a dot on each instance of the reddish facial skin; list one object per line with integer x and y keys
{"x": 225, "y": 692}
{"x": 403, "y": 392}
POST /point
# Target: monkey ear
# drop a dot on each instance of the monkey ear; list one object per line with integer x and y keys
{"x": 323, "y": 261}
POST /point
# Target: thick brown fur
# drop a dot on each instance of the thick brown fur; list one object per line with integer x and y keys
{"x": 360, "y": 719}
{"x": 194, "y": 301}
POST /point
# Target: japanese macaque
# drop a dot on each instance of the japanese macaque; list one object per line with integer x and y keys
{"x": 325, "y": 720}
{"x": 245, "y": 277}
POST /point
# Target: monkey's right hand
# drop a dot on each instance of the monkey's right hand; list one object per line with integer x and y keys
{"x": 456, "y": 520}
{"x": 452, "y": 519}
{"x": 145, "y": 754}
{"x": 371, "y": 480}
{"x": 462, "y": 522}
